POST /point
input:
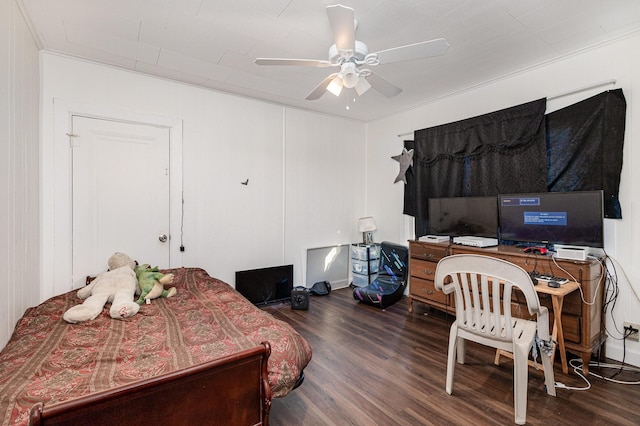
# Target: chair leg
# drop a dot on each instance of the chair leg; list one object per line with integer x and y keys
{"x": 462, "y": 350}
{"x": 451, "y": 356}
{"x": 549, "y": 380}
{"x": 520, "y": 382}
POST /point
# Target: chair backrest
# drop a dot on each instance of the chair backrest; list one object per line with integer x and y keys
{"x": 482, "y": 286}
{"x": 393, "y": 262}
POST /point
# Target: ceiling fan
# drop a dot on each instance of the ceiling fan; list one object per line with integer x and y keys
{"x": 352, "y": 57}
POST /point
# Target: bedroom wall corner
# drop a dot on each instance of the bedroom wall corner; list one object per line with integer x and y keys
{"x": 325, "y": 180}
{"x": 19, "y": 162}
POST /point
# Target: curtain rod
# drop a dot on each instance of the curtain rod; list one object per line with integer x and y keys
{"x": 582, "y": 89}
{"x": 559, "y": 95}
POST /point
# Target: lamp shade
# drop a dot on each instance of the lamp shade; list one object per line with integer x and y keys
{"x": 366, "y": 224}
{"x": 335, "y": 86}
{"x": 349, "y": 74}
{"x": 362, "y": 86}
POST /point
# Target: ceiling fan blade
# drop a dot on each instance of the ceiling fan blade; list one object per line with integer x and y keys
{"x": 383, "y": 85}
{"x": 321, "y": 88}
{"x": 425, "y": 49}
{"x": 343, "y": 26}
{"x": 295, "y": 62}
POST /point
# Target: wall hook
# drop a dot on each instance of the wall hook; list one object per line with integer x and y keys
{"x": 246, "y": 182}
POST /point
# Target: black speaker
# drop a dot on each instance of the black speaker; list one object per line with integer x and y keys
{"x": 300, "y": 298}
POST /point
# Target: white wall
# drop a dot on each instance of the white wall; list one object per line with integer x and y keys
{"x": 325, "y": 182}
{"x": 618, "y": 60}
{"x": 19, "y": 97}
{"x": 300, "y": 166}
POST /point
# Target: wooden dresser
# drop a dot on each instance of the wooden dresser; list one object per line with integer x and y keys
{"x": 581, "y": 322}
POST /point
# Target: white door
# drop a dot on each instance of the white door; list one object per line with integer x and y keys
{"x": 120, "y": 194}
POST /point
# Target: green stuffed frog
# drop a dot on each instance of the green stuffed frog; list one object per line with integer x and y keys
{"x": 151, "y": 282}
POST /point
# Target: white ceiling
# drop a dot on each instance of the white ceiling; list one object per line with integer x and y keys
{"x": 213, "y": 43}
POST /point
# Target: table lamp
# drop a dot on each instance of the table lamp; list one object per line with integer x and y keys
{"x": 367, "y": 225}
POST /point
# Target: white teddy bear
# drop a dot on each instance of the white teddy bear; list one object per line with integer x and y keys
{"x": 118, "y": 285}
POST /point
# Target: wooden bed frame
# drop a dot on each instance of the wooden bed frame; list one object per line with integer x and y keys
{"x": 233, "y": 390}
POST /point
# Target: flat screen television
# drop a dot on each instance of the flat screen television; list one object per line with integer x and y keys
{"x": 462, "y": 216}
{"x": 571, "y": 218}
{"x": 266, "y": 285}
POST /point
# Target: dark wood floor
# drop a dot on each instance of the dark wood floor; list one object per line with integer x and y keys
{"x": 387, "y": 367}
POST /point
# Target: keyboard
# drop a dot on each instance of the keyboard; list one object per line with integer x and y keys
{"x": 545, "y": 278}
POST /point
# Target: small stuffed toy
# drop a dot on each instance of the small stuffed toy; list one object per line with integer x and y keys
{"x": 151, "y": 283}
{"x": 118, "y": 285}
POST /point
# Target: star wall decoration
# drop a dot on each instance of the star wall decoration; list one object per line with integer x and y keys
{"x": 406, "y": 160}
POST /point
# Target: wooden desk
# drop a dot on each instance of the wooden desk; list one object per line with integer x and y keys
{"x": 557, "y": 299}
{"x": 583, "y": 322}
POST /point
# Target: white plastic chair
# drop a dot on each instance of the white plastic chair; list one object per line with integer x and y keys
{"x": 482, "y": 287}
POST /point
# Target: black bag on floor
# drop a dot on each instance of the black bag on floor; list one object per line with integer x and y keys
{"x": 321, "y": 288}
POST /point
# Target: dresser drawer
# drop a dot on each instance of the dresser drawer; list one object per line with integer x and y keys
{"x": 422, "y": 269}
{"x": 425, "y": 289}
{"x": 427, "y": 251}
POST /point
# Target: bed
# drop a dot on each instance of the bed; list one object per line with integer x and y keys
{"x": 205, "y": 354}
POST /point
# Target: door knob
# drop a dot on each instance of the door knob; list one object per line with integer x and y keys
{"x": 163, "y": 238}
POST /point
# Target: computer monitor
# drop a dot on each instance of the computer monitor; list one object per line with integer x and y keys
{"x": 462, "y": 216}
{"x": 571, "y": 218}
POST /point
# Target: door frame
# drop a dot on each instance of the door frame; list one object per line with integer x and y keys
{"x": 57, "y": 254}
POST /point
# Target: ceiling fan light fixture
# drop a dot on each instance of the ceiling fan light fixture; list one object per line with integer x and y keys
{"x": 349, "y": 73}
{"x": 349, "y": 54}
{"x": 350, "y": 80}
{"x": 362, "y": 86}
{"x": 335, "y": 86}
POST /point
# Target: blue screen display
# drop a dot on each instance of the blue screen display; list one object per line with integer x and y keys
{"x": 545, "y": 218}
{"x": 574, "y": 218}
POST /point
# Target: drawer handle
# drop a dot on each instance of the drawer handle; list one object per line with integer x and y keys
{"x": 427, "y": 272}
{"x": 429, "y": 291}
{"x": 427, "y": 255}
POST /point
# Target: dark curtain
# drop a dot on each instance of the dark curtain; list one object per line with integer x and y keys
{"x": 499, "y": 152}
{"x": 585, "y": 142}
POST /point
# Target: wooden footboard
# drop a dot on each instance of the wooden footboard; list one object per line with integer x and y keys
{"x": 233, "y": 390}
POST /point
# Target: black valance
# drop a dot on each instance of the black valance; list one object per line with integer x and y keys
{"x": 500, "y": 152}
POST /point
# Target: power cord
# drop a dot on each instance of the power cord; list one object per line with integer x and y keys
{"x": 582, "y": 296}
{"x": 611, "y": 292}
{"x": 610, "y": 277}
{"x": 577, "y": 364}
{"x": 577, "y": 368}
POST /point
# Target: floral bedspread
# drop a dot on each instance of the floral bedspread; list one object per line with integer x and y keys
{"x": 50, "y": 360}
